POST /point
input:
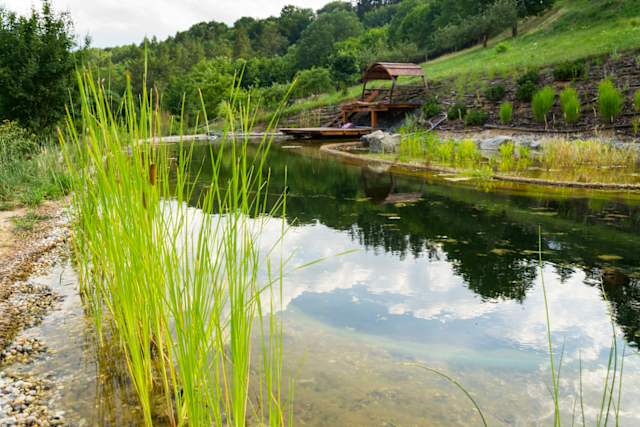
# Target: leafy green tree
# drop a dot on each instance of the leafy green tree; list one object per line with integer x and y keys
{"x": 318, "y": 41}
{"x": 344, "y": 68}
{"x": 36, "y": 67}
{"x": 241, "y": 44}
{"x": 293, "y": 21}
{"x": 212, "y": 78}
{"x": 313, "y": 81}
{"x": 336, "y": 6}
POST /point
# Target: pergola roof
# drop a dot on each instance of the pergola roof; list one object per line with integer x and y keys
{"x": 391, "y": 70}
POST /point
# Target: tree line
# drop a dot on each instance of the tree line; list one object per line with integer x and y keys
{"x": 323, "y": 50}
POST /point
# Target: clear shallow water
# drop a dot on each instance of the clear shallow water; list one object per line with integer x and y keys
{"x": 442, "y": 274}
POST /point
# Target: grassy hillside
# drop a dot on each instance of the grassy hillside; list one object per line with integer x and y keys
{"x": 573, "y": 29}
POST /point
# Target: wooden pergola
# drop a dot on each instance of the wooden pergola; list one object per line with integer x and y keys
{"x": 391, "y": 71}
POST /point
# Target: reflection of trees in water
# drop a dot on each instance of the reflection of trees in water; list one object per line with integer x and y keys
{"x": 489, "y": 238}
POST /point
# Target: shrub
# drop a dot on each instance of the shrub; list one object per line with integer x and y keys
{"x": 501, "y": 48}
{"x": 506, "y": 112}
{"x": 530, "y": 76}
{"x": 570, "y": 103}
{"x": 542, "y": 103}
{"x": 313, "y": 81}
{"x": 431, "y": 107}
{"x": 570, "y": 71}
{"x": 636, "y": 100}
{"x": 494, "y": 93}
{"x": 475, "y": 118}
{"x": 527, "y": 85}
{"x": 609, "y": 100}
{"x": 525, "y": 91}
{"x": 457, "y": 111}
{"x": 16, "y": 143}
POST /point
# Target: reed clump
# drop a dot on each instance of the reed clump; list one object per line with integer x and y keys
{"x": 186, "y": 291}
{"x": 560, "y": 153}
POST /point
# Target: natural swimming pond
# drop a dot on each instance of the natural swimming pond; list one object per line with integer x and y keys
{"x": 443, "y": 274}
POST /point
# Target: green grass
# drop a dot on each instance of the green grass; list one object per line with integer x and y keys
{"x": 182, "y": 290}
{"x": 29, "y": 181}
{"x": 27, "y": 221}
{"x": 574, "y": 29}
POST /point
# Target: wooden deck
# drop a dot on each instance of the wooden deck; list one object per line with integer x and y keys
{"x": 327, "y": 132}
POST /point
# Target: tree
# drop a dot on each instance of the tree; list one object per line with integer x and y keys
{"x": 293, "y": 21}
{"x": 317, "y": 42}
{"x": 344, "y": 68}
{"x": 365, "y": 6}
{"x": 36, "y": 67}
{"x": 313, "y": 81}
{"x": 213, "y": 78}
{"x": 528, "y": 8}
{"x": 335, "y": 6}
{"x": 271, "y": 41}
{"x": 241, "y": 44}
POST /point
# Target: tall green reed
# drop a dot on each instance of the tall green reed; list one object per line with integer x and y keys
{"x": 181, "y": 288}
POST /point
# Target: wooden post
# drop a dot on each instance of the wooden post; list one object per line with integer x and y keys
{"x": 364, "y": 88}
{"x": 374, "y": 119}
{"x": 393, "y": 86}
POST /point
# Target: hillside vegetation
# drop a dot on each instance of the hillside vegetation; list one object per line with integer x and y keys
{"x": 571, "y": 30}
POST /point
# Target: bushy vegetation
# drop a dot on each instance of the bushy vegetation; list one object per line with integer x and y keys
{"x": 494, "y": 92}
{"x": 476, "y": 118}
{"x": 457, "y": 111}
{"x": 568, "y": 71}
{"x": 609, "y": 100}
{"x": 431, "y": 107}
{"x": 542, "y": 103}
{"x": 527, "y": 85}
{"x": 636, "y": 100}
{"x": 29, "y": 173}
{"x": 506, "y": 112}
{"x": 570, "y": 104}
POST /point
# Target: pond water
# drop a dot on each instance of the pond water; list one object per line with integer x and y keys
{"x": 441, "y": 274}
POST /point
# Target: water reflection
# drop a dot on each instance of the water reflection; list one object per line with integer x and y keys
{"x": 448, "y": 275}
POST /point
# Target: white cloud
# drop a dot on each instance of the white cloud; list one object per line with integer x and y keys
{"x": 114, "y": 22}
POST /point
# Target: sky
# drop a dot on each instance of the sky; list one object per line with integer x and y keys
{"x": 117, "y": 22}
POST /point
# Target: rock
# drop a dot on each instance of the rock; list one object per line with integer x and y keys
{"x": 367, "y": 139}
{"x": 382, "y": 142}
{"x": 493, "y": 144}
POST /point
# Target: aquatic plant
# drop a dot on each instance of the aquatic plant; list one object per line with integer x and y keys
{"x": 182, "y": 289}
{"x": 506, "y": 112}
{"x": 609, "y": 100}
{"x": 570, "y": 104}
{"x": 467, "y": 153}
{"x": 560, "y": 153}
{"x": 542, "y": 103}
